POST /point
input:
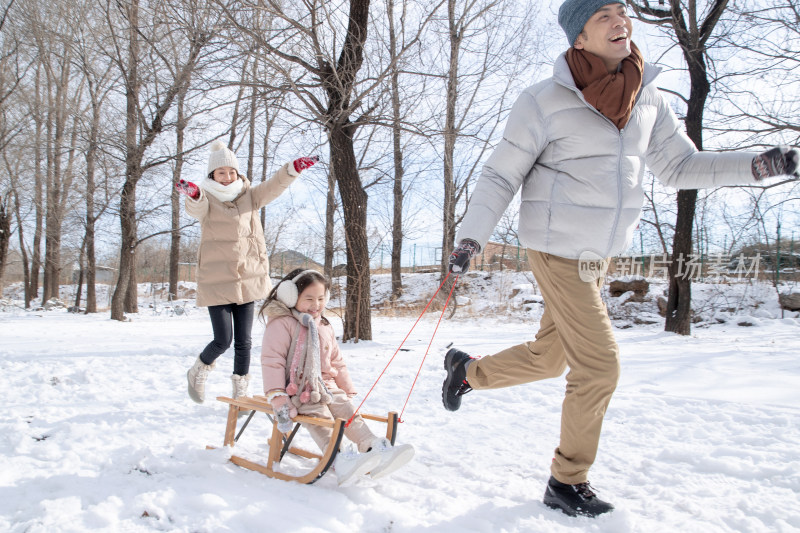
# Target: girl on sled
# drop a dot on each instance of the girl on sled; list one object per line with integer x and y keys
{"x": 304, "y": 372}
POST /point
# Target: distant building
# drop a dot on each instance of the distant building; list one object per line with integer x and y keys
{"x": 102, "y": 274}
{"x": 499, "y": 256}
{"x": 283, "y": 262}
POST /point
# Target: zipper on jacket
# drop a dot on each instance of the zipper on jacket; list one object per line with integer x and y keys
{"x": 620, "y": 133}
{"x": 619, "y": 196}
{"x": 645, "y": 81}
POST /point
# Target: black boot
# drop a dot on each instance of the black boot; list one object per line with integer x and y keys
{"x": 455, "y": 384}
{"x": 574, "y": 500}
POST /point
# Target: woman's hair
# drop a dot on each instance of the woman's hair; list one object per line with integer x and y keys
{"x": 309, "y": 277}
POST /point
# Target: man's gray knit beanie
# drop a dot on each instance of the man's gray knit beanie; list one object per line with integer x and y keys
{"x": 573, "y": 14}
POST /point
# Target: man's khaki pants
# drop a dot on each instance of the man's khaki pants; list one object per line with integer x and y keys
{"x": 575, "y": 331}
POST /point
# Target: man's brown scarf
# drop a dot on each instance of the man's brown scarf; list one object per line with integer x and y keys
{"x": 613, "y": 95}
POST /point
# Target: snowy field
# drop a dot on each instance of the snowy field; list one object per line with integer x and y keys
{"x": 98, "y": 434}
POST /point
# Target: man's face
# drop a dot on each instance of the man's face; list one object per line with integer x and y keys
{"x": 607, "y": 34}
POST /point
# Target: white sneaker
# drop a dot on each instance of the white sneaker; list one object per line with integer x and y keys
{"x": 391, "y": 457}
{"x": 350, "y": 465}
{"x": 196, "y": 376}
{"x": 240, "y": 385}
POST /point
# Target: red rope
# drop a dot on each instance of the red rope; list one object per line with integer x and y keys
{"x": 350, "y": 420}
{"x": 400, "y": 418}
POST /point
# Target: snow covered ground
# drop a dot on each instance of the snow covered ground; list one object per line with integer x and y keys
{"x": 98, "y": 434}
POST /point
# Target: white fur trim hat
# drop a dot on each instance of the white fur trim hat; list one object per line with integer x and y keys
{"x": 220, "y": 156}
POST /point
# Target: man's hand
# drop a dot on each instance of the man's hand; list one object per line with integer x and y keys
{"x": 779, "y": 161}
{"x": 303, "y": 163}
{"x": 188, "y": 188}
{"x": 463, "y": 253}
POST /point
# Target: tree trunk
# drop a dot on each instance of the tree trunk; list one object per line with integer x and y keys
{"x": 131, "y": 304}
{"x": 175, "y": 199}
{"x": 25, "y": 271}
{"x": 89, "y": 237}
{"x": 449, "y": 207}
{"x": 127, "y": 254}
{"x": 357, "y": 322}
{"x": 57, "y": 186}
{"x": 38, "y": 199}
{"x": 264, "y": 152}
{"x": 679, "y": 301}
{"x": 330, "y": 221}
{"x": 251, "y": 142}
{"x": 692, "y": 36}
{"x": 235, "y": 117}
{"x": 397, "y": 188}
{"x": 120, "y": 301}
{"x": 79, "y": 288}
{"x": 5, "y": 238}
{"x": 51, "y": 247}
{"x": 338, "y": 84}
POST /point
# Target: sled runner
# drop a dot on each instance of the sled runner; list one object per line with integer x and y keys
{"x": 279, "y": 444}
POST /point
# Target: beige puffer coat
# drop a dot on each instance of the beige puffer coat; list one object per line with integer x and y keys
{"x": 232, "y": 262}
{"x": 278, "y": 335}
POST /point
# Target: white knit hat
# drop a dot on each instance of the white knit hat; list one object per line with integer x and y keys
{"x": 220, "y": 156}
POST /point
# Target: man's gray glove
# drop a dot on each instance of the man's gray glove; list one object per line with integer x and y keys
{"x": 463, "y": 253}
{"x": 778, "y": 161}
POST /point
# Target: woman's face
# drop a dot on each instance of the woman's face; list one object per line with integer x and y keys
{"x": 225, "y": 175}
{"x": 312, "y": 300}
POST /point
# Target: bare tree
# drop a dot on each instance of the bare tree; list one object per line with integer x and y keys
{"x": 483, "y": 40}
{"x": 10, "y": 77}
{"x": 100, "y": 81}
{"x": 652, "y": 213}
{"x": 767, "y": 47}
{"x": 5, "y": 236}
{"x": 692, "y": 27}
{"x": 397, "y": 153}
{"x": 175, "y": 204}
{"x": 52, "y": 34}
{"x": 38, "y": 115}
{"x": 506, "y": 232}
{"x": 145, "y": 119}
{"x": 326, "y": 42}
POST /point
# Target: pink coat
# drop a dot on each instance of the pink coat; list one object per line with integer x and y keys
{"x": 275, "y": 350}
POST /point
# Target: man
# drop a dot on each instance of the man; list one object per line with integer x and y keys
{"x": 576, "y": 144}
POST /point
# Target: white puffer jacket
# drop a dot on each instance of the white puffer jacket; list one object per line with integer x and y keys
{"x": 581, "y": 177}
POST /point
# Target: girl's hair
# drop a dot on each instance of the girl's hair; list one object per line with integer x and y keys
{"x": 309, "y": 277}
{"x": 211, "y": 175}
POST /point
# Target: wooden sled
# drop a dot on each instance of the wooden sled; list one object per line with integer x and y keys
{"x": 280, "y": 444}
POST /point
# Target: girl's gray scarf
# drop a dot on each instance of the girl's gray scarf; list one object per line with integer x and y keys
{"x": 303, "y": 364}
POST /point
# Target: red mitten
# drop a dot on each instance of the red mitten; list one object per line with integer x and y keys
{"x": 188, "y": 188}
{"x": 305, "y": 162}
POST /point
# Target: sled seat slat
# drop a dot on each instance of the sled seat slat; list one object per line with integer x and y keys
{"x": 279, "y": 444}
{"x": 260, "y": 403}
